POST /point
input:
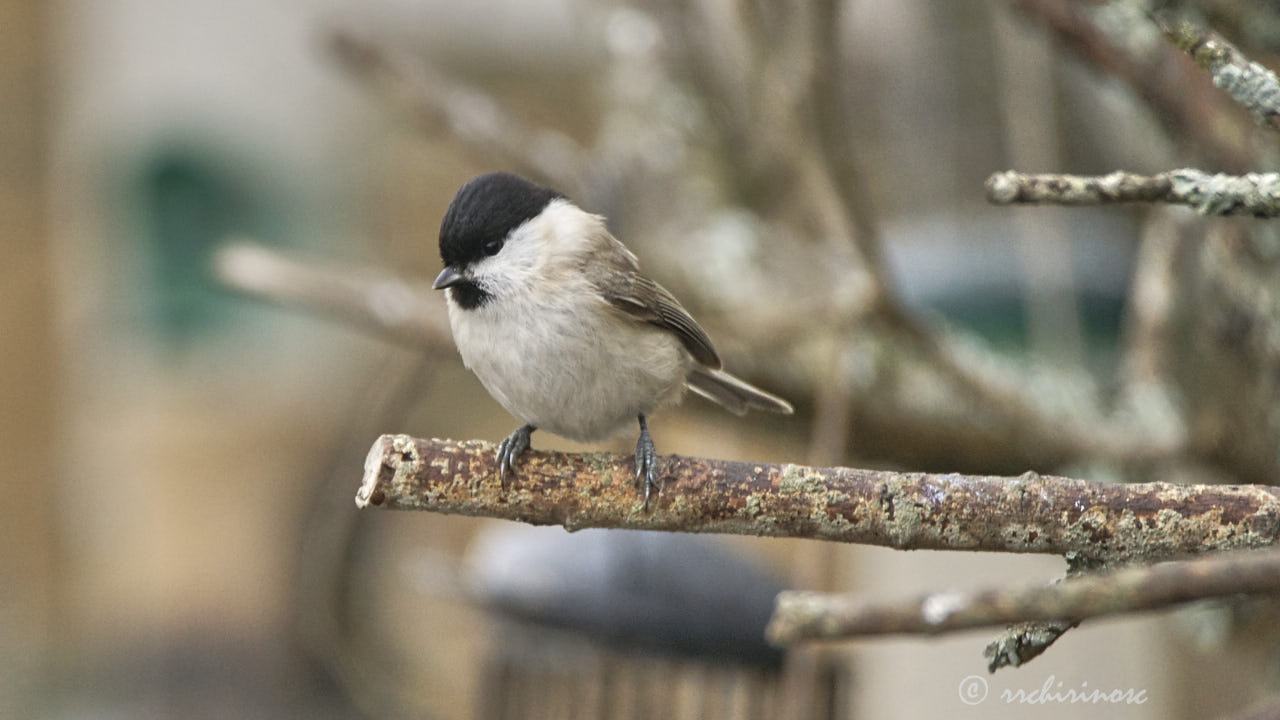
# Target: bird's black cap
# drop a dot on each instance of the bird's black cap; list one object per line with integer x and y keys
{"x": 487, "y": 208}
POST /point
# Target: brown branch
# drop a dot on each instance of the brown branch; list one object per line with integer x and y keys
{"x": 1030, "y": 513}
{"x": 1256, "y": 194}
{"x": 813, "y": 616}
{"x": 367, "y": 299}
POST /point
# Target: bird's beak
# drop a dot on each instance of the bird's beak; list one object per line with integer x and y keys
{"x": 448, "y": 277}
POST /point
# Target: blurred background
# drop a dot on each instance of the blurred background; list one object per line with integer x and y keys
{"x": 180, "y": 458}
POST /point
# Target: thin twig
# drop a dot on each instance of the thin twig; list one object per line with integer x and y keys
{"x": 1188, "y": 112}
{"x": 1154, "y": 299}
{"x": 1028, "y": 99}
{"x": 1032, "y": 414}
{"x": 831, "y": 115}
{"x": 1030, "y": 513}
{"x": 1256, "y": 194}
{"x": 812, "y": 616}
{"x": 466, "y": 113}
{"x": 365, "y": 298}
{"x": 1252, "y": 85}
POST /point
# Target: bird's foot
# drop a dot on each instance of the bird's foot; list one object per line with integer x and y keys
{"x": 646, "y": 462}
{"x": 510, "y": 448}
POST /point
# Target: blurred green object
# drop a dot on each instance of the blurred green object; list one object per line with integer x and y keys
{"x": 188, "y": 201}
{"x": 1001, "y": 319}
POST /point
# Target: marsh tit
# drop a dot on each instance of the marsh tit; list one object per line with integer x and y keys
{"x": 551, "y": 312}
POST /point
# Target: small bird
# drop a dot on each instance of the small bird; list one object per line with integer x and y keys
{"x": 551, "y": 312}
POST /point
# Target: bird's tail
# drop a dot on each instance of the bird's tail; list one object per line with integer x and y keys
{"x": 735, "y": 395}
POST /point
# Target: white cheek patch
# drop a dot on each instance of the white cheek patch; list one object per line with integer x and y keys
{"x": 540, "y": 250}
{"x": 513, "y": 266}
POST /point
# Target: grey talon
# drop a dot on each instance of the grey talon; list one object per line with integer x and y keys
{"x": 510, "y": 449}
{"x": 646, "y": 460}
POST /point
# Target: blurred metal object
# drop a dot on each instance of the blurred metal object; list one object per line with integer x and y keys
{"x": 674, "y": 594}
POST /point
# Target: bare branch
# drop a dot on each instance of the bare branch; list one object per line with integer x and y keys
{"x": 367, "y": 299}
{"x": 1153, "y": 300}
{"x": 1030, "y": 513}
{"x": 1029, "y": 402}
{"x": 1252, "y": 85}
{"x": 466, "y": 113}
{"x": 1147, "y": 379}
{"x": 1188, "y": 111}
{"x": 1256, "y": 194}
{"x": 812, "y": 616}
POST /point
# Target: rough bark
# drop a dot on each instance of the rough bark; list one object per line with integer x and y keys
{"x": 1030, "y": 513}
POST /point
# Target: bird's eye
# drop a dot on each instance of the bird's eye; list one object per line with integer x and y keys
{"x": 492, "y": 247}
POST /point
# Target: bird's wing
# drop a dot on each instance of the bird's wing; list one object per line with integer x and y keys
{"x": 646, "y": 300}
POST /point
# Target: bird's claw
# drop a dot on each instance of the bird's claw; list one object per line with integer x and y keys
{"x": 510, "y": 449}
{"x": 646, "y": 463}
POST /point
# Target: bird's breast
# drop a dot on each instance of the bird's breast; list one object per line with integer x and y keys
{"x": 578, "y": 370}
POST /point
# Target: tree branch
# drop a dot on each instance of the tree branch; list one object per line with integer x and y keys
{"x": 1252, "y": 85}
{"x": 1030, "y": 513}
{"x": 1256, "y": 194}
{"x": 483, "y": 123}
{"x": 1187, "y": 110}
{"x": 368, "y": 299}
{"x": 812, "y": 616}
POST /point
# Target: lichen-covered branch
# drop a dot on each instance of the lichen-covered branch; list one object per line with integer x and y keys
{"x": 1252, "y": 85}
{"x": 811, "y": 616}
{"x": 1031, "y": 513}
{"x": 1256, "y": 194}
{"x": 368, "y": 299}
